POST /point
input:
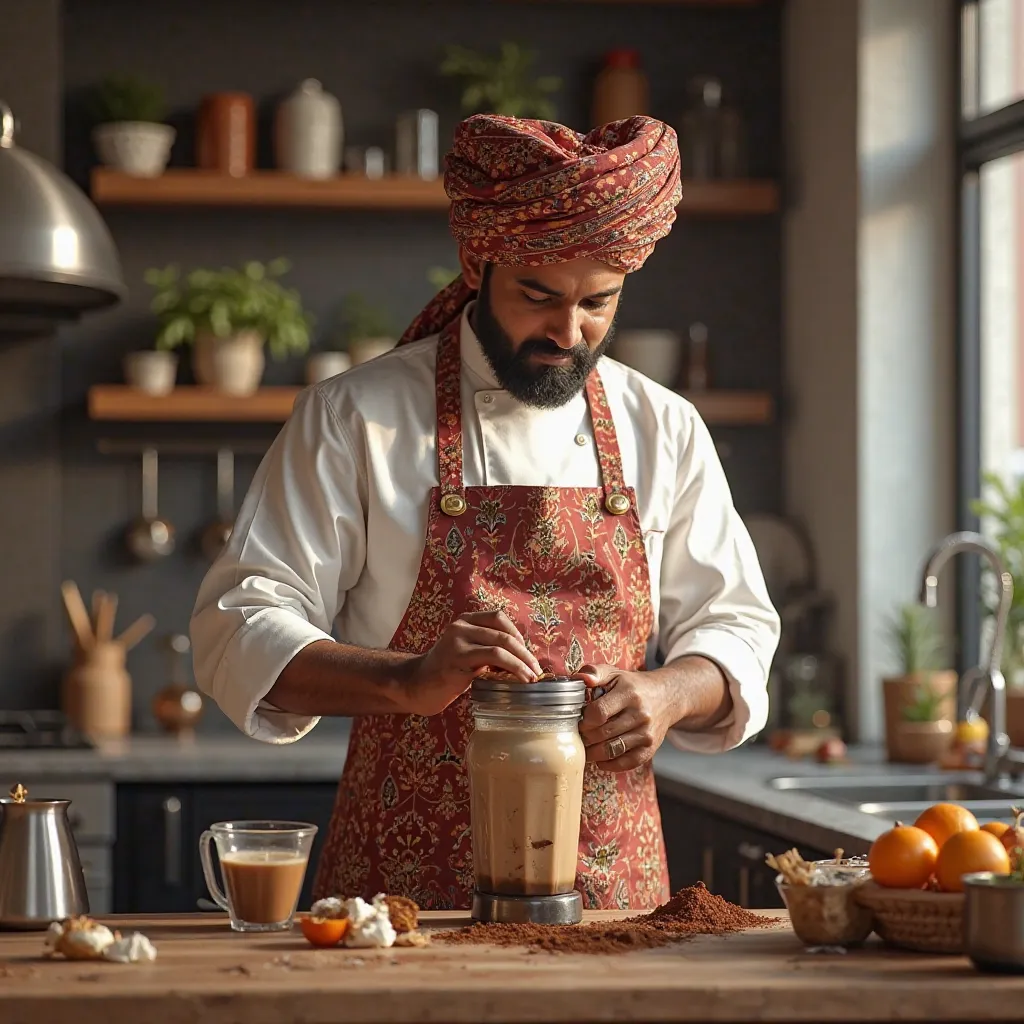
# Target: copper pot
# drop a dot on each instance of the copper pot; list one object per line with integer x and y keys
{"x": 226, "y": 133}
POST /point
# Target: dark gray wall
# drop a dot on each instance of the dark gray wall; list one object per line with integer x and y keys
{"x": 30, "y": 629}
{"x": 379, "y": 59}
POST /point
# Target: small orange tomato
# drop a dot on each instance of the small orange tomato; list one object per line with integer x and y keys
{"x": 903, "y": 858}
{"x": 997, "y": 828}
{"x": 967, "y": 852}
{"x": 941, "y": 821}
{"x": 323, "y": 931}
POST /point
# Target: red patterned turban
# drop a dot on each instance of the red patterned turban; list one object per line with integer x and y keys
{"x": 526, "y": 193}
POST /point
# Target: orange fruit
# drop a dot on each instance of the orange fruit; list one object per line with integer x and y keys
{"x": 966, "y": 852}
{"x": 323, "y": 931}
{"x": 997, "y": 828}
{"x": 941, "y": 821}
{"x": 903, "y": 858}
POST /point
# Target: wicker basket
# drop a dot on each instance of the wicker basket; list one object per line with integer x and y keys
{"x": 927, "y": 922}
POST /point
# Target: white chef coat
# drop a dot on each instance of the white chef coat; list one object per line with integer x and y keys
{"x": 331, "y": 531}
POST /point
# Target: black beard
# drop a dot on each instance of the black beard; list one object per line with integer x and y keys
{"x": 543, "y": 387}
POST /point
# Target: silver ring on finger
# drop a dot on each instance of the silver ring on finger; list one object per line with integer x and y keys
{"x": 616, "y": 748}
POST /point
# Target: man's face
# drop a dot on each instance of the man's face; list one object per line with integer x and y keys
{"x": 543, "y": 329}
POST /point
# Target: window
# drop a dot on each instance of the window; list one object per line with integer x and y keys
{"x": 991, "y": 329}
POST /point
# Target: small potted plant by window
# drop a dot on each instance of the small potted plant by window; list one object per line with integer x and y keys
{"x": 129, "y": 134}
{"x": 228, "y": 316}
{"x": 1003, "y": 513}
{"x": 921, "y": 699}
{"x": 368, "y": 329}
{"x": 501, "y": 84}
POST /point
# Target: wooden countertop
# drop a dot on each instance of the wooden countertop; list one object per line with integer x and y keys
{"x": 205, "y": 972}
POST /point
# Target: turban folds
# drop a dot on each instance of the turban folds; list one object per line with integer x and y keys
{"x": 527, "y": 193}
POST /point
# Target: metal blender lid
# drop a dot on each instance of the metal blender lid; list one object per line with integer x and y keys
{"x": 544, "y": 693}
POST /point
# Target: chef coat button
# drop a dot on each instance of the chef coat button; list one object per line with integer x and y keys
{"x": 487, "y": 399}
{"x": 453, "y": 504}
{"x": 617, "y": 504}
{"x": 581, "y": 439}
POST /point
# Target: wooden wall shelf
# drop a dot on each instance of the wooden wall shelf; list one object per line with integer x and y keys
{"x": 272, "y": 189}
{"x": 733, "y": 408}
{"x": 116, "y": 402}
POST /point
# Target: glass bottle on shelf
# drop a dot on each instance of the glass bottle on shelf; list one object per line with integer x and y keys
{"x": 713, "y": 142}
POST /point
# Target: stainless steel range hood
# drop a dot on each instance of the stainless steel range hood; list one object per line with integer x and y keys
{"x": 57, "y": 257}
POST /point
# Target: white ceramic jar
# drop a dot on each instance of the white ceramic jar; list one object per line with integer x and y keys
{"x": 308, "y": 132}
{"x": 151, "y": 371}
{"x": 656, "y": 354}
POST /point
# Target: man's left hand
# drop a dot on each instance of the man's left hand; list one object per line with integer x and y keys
{"x": 623, "y": 729}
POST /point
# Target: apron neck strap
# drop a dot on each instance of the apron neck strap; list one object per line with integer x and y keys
{"x": 449, "y": 423}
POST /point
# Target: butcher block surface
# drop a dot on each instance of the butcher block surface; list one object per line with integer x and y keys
{"x": 205, "y": 972}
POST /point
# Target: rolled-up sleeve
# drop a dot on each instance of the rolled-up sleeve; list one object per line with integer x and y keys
{"x": 714, "y": 601}
{"x": 298, "y": 545}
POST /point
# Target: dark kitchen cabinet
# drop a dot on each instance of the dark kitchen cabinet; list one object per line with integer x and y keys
{"x": 726, "y": 855}
{"x": 156, "y": 852}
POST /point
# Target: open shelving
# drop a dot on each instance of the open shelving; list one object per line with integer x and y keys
{"x": 119, "y": 403}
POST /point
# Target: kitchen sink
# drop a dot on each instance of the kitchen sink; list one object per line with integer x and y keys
{"x": 904, "y": 796}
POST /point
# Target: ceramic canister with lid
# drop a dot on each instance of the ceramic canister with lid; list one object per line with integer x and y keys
{"x": 308, "y": 132}
{"x": 525, "y": 760}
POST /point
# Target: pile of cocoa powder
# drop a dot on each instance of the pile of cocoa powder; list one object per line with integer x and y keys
{"x": 692, "y": 911}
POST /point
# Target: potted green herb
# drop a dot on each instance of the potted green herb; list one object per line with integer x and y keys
{"x": 441, "y": 277}
{"x": 369, "y": 331}
{"x": 228, "y": 316}
{"x": 1005, "y": 515}
{"x": 501, "y": 84}
{"x": 129, "y": 134}
{"x": 921, "y": 699}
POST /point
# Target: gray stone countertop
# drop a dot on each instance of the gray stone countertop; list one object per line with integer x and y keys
{"x": 735, "y": 785}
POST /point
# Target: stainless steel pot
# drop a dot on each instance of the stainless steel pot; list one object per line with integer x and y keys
{"x": 41, "y": 878}
{"x": 994, "y": 922}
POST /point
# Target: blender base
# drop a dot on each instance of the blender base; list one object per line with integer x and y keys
{"x": 565, "y": 908}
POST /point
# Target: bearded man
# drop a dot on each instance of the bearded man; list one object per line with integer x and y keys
{"x": 497, "y": 495}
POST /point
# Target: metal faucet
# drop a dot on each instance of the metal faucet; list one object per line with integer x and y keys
{"x": 987, "y": 678}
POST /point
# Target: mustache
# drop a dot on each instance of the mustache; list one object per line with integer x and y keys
{"x": 546, "y": 347}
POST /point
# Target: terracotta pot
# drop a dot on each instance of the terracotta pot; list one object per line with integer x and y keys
{"x": 899, "y": 692}
{"x": 226, "y": 133}
{"x": 1015, "y": 716}
{"x": 233, "y": 365}
{"x": 924, "y": 742}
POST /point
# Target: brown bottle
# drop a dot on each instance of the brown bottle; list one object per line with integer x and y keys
{"x": 620, "y": 90}
{"x": 226, "y": 133}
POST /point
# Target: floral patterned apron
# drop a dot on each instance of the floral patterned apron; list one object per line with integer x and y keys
{"x": 568, "y": 566}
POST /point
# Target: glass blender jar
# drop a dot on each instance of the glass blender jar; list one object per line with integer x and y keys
{"x": 525, "y": 761}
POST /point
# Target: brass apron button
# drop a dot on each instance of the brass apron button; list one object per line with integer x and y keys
{"x": 453, "y": 504}
{"x": 617, "y": 504}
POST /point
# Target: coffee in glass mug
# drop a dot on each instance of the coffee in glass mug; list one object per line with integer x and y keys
{"x": 263, "y": 864}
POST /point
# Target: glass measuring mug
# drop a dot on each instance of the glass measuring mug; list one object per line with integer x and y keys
{"x": 263, "y": 864}
{"x": 525, "y": 760}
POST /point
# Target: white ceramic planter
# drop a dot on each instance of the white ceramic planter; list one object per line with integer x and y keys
{"x": 324, "y": 365}
{"x": 151, "y": 371}
{"x": 138, "y": 148}
{"x": 656, "y": 354}
{"x": 365, "y": 349}
{"x": 233, "y": 365}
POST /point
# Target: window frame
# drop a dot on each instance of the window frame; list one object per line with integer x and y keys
{"x": 981, "y": 138}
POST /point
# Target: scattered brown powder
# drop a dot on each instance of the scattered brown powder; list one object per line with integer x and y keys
{"x": 692, "y": 911}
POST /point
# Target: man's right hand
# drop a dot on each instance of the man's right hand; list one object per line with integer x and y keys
{"x": 472, "y": 643}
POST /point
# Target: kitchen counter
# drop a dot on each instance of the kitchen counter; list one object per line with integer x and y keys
{"x": 733, "y": 784}
{"x": 206, "y": 972}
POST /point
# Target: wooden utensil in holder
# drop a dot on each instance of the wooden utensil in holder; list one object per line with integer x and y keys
{"x": 96, "y": 693}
